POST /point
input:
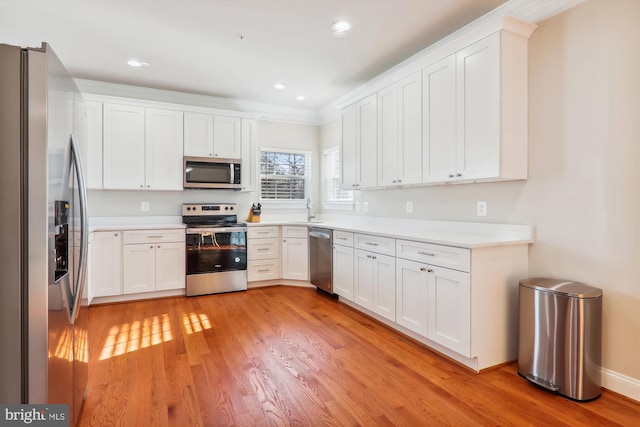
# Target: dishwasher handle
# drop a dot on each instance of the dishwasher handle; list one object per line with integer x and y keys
{"x": 320, "y": 233}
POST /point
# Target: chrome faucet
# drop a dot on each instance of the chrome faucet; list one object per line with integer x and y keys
{"x": 310, "y": 215}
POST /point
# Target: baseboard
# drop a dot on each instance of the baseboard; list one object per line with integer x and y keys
{"x": 621, "y": 384}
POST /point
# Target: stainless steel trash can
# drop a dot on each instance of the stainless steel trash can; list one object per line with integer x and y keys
{"x": 560, "y": 333}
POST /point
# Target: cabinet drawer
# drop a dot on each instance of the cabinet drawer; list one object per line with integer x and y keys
{"x": 288, "y": 231}
{"x": 263, "y": 248}
{"x": 381, "y": 245}
{"x": 343, "y": 238}
{"x": 263, "y": 270}
{"x": 443, "y": 256}
{"x": 260, "y": 232}
{"x": 153, "y": 236}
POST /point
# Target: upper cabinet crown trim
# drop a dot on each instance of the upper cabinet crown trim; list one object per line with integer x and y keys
{"x": 456, "y": 41}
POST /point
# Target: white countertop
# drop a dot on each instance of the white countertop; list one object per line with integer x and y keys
{"x": 451, "y": 233}
{"x": 135, "y": 223}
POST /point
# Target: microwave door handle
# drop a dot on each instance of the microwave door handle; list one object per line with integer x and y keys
{"x": 231, "y": 169}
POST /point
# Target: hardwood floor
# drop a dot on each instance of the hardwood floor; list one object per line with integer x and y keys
{"x": 292, "y": 356}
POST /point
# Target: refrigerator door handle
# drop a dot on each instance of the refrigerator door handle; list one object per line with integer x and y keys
{"x": 82, "y": 262}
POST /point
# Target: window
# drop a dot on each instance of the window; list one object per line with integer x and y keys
{"x": 333, "y": 194}
{"x": 284, "y": 175}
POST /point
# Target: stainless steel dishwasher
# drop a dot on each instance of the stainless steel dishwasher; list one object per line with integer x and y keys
{"x": 320, "y": 258}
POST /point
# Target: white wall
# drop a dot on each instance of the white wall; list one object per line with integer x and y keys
{"x": 583, "y": 191}
{"x": 169, "y": 203}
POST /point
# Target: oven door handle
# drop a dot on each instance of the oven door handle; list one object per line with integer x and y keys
{"x": 215, "y": 230}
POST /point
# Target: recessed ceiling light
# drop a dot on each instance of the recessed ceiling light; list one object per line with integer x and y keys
{"x": 301, "y": 98}
{"x": 280, "y": 86}
{"x": 137, "y": 64}
{"x": 340, "y": 28}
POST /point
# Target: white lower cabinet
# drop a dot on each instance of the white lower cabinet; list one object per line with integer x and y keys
{"x": 343, "y": 264}
{"x": 106, "y": 264}
{"x": 295, "y": 253}
{"x": 449, "y": 309}
{"x": 263, "y": 253}
{"x": 412, "y": 296}
{"x": 154, "y": 260}
{"x": 374, "y": 283}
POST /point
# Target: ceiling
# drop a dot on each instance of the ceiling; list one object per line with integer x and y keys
{"x": 236, "y": 49}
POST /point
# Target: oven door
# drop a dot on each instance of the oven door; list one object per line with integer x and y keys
{"x": 212, "y": 250}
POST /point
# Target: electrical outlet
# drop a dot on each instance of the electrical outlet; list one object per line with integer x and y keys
{"x": 357, "y": 206}
{"x": 144, "y": 207}
{"x": 481, "y": 209}
{"x": 365, "y": 206}
{"x": 409, "y": 207}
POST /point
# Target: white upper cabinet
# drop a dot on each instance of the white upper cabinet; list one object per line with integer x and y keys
{"x": 123, "y": 147}
{"x": 475, "y": 113}
{"x": 88, "y": 128}
{"x": 439, "y": 121}
{"x": 227, "y": 137}
{"x": 198, "y": 135}
{"x": 359, "y": 145}
{"x": 249, "y": 166}
{"x": 142, "y": 148}
{"x": 163, "y": 149}
{"x": 206, "y": 135}
{"x": 400, "y": 133}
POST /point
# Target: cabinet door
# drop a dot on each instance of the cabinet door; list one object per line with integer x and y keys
{"x": 388, "y": 136}
{"x": 163, "y": 149}
{"x": 410, "y": 130}
{"x": 170, "y": 266}
{"x": 367, "y": 142}
{"x": 198, "y": 134}
{"x": 449, "y": 309}
{"x": 363, "y": 278}
{"x": 90, "y": 140}
{"x": 349, "y": 148}
{"x": 249, "y": 171}
{"x": 343, "y": 271}
{"x": 295, "y": 259}
{"x": 478, "y": 105}
{"x": 384, "y": 286}
{"x": 106, "y": 264}
{"x": 139, "y": 268}
{"x": 412, "y": 295}
{"x": 226, "y": 137}
{"x": 123, "y": 147}
{"x": 439, "y": 121}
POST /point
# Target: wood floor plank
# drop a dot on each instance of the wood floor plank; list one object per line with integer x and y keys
{"x": 283, "y": 356}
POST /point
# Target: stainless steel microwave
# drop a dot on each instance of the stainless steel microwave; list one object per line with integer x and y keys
{"x": 211, "y": 172}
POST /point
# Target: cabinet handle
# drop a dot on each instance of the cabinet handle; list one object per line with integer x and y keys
{"x": 394, "y": 181}
{"x": 115, "y": 234}
{"x": 265, "y": 270}
{"x": 151, "y": 247}
{"x": 374, "y": 257}
{"x": 284, "y": 241}
{"x": 399, "y": 181}
{"x": 423, "y": 269}
{"x": 148, "y": 186}
{"x": 262, "y": 249}
{"x": 141, "y": 186}
{"x": 263, "y": 232}
{"x": 450, "y": 175}
{"x": 158, "y": 246}
{"x": 369, "y": 256}
{"x": 155, "y": 237}
{"x": 210, "y": 154}
{"x": 427, "y": 253}
{"x": 371, "y": 244}
{"x": 341, "y": 238}
{"x": 429, "y": 270}
{"x": 458, "y": 174}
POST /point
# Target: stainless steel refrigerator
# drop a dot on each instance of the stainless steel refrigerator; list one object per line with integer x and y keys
{"x": 43, "y": 233}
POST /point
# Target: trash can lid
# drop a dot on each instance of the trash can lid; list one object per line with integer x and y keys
{"x": 562, "y": 287}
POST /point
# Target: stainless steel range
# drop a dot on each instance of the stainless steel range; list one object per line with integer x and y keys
{"x": 216, "y": 248}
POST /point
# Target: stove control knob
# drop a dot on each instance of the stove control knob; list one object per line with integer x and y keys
{"x": 188, "y": 208}
{"x": 226, "y": 208}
